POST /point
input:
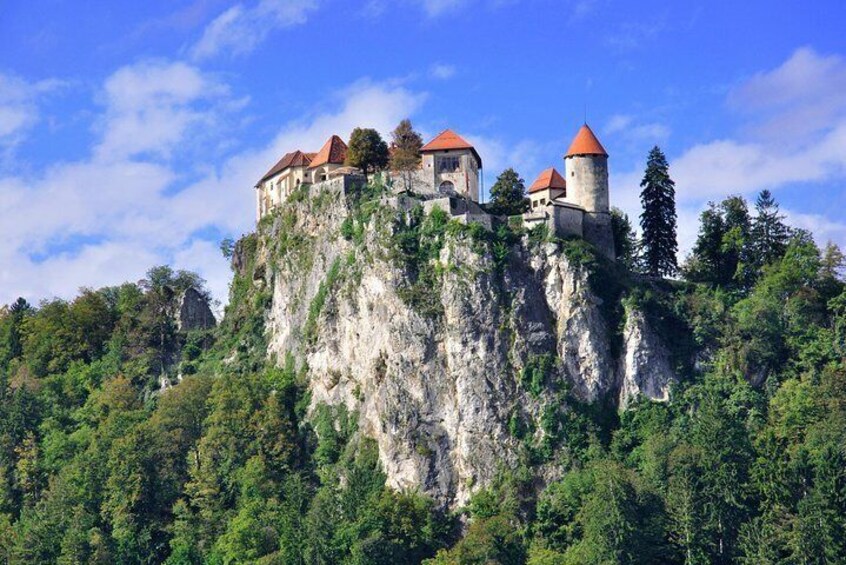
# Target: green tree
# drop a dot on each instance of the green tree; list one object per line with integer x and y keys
{"x": 769, "y": 232}
{"x": 658, "y": 220}
{"x": 405, "y": 151}
{"x": 625, "y": 239}
{"x": 11, "y": 338}
{"x": 508, "y": 194}
{"x": 723, "y": 253}
{"x": 367, "y": 150}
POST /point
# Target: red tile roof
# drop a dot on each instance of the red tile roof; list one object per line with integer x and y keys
{"x": 586, "y": 143}
{"x": 447, "y": 140}
{"x": 550, "y": 178}
{"x": 333, "y": 151}
{"x": 294, "y": 159}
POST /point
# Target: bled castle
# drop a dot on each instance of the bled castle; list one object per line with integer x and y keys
{"x": 449, "y": 177}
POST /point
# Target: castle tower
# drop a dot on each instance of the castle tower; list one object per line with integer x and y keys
{"x": 586, "y": 172}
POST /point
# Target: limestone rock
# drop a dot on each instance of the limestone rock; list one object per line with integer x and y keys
{"x": 194, "y": 312}
{"x": 437, "y": 392}
{"x": 646, "y": 369}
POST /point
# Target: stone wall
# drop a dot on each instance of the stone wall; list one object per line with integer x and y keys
{"x": 587, "y": 181}
{"x": 567, "y": 220}
{"x": 597, "y": 230}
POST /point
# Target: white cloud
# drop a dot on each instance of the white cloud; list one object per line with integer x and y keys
{"x": 151, "y": 106}
{"x": 798, "y": 134}
{"x": 19, "y": 105}
{"x": 104, "y": 221}
{"x": 240, "y": 29}
{"x": 799, "y": 98}
{"x": 441, "y": 71}
{"x": 824, "y": 229}
{"x": 434, "y": 8}
{"x": 633, "y": 132}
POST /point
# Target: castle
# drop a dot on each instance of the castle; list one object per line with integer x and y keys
{"x": 449, "y": 177}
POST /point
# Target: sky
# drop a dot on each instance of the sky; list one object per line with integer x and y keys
{"x": 132, "y": 133}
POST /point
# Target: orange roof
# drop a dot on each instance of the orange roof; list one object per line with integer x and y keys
{"x": 585, "y": 143}
{"x": 550, "y": 178}
{"x": 293, "y": 159}
{"x": 333, "y": 151}
{"x": 447, "y": 140}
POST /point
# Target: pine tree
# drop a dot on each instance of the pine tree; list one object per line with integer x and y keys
{"x": 508, "y": 194}
{"x": 769, "y": 232}
{"x": 405, "y": 150}
{"x": 367, "y": 150}
{"x": 658, "y": 220}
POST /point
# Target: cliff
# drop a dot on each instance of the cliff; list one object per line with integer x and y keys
{"x": 457, "y": 349}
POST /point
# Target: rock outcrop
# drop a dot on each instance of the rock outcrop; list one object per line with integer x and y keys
{"x": 503, "y": 331}
{"x": 194, "y": 311}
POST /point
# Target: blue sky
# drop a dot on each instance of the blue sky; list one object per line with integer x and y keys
{"x": 131, "y": 133}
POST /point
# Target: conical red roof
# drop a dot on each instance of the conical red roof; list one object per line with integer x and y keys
{"x": 333, "y": 151}
{"x": 550, "y": 178}
{"x": 586, "y": 143}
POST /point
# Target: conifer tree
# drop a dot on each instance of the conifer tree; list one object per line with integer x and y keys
{"x": 508, "y": 194}
{"x": 769, "y": 232}
{"x": 658, "y": 220}
{"x": 367, "y": 150}
{"x": 405, "y": 150}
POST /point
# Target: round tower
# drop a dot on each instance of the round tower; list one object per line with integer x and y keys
{"x": 586, "y": 170}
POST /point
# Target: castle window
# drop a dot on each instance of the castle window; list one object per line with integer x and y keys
{"x": 448, "y": 164}
{"x": 446, "y": 188}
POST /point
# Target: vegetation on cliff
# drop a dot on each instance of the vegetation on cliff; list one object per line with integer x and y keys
{"x": 745, "y": 464}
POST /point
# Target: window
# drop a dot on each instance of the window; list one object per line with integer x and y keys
{"x": 543, "y": 201}
{"x": 446, "y": 188}
{"x": 449, "y": 164}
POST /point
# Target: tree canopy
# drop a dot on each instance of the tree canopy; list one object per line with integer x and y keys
{"x": 367, "y": 150}
{"x": 508, "y": 194}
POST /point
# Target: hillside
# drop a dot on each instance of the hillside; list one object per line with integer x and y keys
{"x": 389, "y": 385}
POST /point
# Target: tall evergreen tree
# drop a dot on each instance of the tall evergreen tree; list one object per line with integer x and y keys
{"x": 769, "y": 232}
{"x": 658, "y": 220}
{"x": 508, "y": 194}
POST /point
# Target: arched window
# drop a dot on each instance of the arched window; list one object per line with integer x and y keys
{"x": 446, "y": 188}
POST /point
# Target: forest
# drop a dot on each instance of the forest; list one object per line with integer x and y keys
{"x": 103, "y": 461}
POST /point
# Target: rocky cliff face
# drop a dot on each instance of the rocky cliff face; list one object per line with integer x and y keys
{"x": 453, "y": 361}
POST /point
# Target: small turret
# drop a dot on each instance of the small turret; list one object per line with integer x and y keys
{"x": 586, "y": 172}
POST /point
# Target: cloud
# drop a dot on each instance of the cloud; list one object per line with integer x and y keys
{"x": 441, "y": 71}
{"x": 632, "y": 132}
{"x": 434, "y": 8}
{"x": 799, "y": 98}
{"x": 19, "y": 105}
{"x": 151, "y": 106}
{"x": 800, "y": 107}
{"x": 824, "y": 229}
{"x": 108, "y": 218}
{"x": 240, "y": 29}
